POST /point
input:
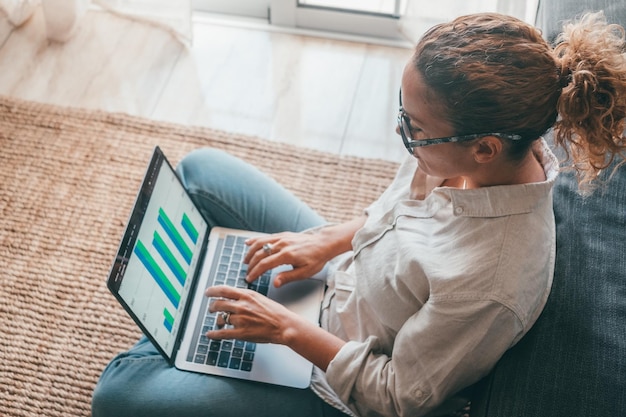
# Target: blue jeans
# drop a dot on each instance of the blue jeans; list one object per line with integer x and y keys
{"x": 140, "y": 382}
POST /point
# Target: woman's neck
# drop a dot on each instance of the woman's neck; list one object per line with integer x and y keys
{"x": 527, "y": 171}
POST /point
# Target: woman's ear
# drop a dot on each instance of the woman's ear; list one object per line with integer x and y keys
{"x": 487, "y": 149}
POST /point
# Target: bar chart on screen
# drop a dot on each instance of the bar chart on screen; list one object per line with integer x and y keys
{"x": 158, "y": 275}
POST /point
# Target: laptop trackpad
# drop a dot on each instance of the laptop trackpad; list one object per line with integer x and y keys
{"x": 302, "y": 297}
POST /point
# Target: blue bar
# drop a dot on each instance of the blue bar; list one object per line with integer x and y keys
{"x": 157, "y": 274}
{"x": 190, "y": 229}
{"x": 175, "y": 236}
{"x": 167, "y": 325}
{"x": 168, "y": 257}
{"x": 168, "y": 322}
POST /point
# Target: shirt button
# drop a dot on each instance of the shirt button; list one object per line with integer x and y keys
{"x": 458, "y": 210}
{"x": 419, "y": 393}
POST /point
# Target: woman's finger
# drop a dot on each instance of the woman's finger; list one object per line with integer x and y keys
{"x": 294, "y": 274}
{"x": 225, "y": 291}
{"x": 266, "y": 245}
{"x": 224, "y": 333}
{"x": 254, "y": 244}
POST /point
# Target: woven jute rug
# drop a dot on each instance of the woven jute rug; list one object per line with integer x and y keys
{"x": 68, "y": 179}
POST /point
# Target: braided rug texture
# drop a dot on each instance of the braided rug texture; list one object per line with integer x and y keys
{"x": 68, "y": 179}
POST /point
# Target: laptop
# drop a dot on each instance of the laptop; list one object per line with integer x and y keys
{"x": 167, "y": 258}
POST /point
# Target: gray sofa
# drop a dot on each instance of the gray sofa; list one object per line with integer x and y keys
{"x": 573, "y": 361}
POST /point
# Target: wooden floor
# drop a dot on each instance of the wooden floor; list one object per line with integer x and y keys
{"x": 330, "y": 95}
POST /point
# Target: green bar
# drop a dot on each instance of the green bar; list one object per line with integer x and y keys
{"x": 189, "y": 228}
{"x": 168, "y": 317}
{"x": 169, "y": 258}
{"x": 176, "y": 238}
{"x": 168, "y": 322}
{"x": 158, "y": 275}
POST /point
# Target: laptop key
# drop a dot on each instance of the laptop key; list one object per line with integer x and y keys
{"x": 220, "y": 278}
{"x": 209, "y": 321}
{"x": 265, "y": 278}
{"x": 211, "y": 358}
{"x": 223, "y": 359}
{"x": 235, "y": 363}
{"x": 246, "y": 366}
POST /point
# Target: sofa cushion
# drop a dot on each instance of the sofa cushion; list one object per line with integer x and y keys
{"x": 552, "y": 14}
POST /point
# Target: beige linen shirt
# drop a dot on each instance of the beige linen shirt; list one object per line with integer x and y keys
{"x": 440, "y": 283}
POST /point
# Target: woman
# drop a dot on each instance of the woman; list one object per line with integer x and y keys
{"x": 441, "y": 275}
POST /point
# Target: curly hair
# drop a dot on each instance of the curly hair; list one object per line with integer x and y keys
{"x": 593, "y": 105}
{"x": 489, "y": 72}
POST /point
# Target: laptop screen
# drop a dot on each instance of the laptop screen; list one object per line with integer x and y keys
{"x": 153, "y": 273}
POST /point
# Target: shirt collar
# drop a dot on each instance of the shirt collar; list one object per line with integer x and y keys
{"x": 495, "y": 201}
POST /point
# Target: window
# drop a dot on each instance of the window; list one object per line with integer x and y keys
{"x": 382, "y": 19}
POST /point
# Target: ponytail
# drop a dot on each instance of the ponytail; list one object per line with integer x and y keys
{"x": 591, "y": 63}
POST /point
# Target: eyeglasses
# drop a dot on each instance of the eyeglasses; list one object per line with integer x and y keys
{"x": 404, "y": 123}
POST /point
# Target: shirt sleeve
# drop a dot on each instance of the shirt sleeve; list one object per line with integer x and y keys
{"x": 444, "y": 347}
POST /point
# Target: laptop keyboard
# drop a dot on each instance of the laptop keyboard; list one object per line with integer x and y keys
{"x": 232, "y": 354}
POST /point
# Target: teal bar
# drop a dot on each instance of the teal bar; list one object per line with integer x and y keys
{"x": 169, "y": 258}
{"x": 161, "y": 279}
{"x": 178, "y": 240}
{"x": 189, "y": 228}
{"x": 168, "y": 322}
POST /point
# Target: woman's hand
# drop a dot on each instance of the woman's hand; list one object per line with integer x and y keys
{"x": 256, "y": 318}
{"x": 253, "y": 317}
{"x": 307, "y": 253}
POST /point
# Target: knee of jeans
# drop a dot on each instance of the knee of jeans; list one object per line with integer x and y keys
{"x": 205, "y": 164}
{"x": 104, "y": 398}
{"x": 115, "y": 394}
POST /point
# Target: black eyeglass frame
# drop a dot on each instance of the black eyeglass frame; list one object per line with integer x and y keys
{"x": 404, "y": 124}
